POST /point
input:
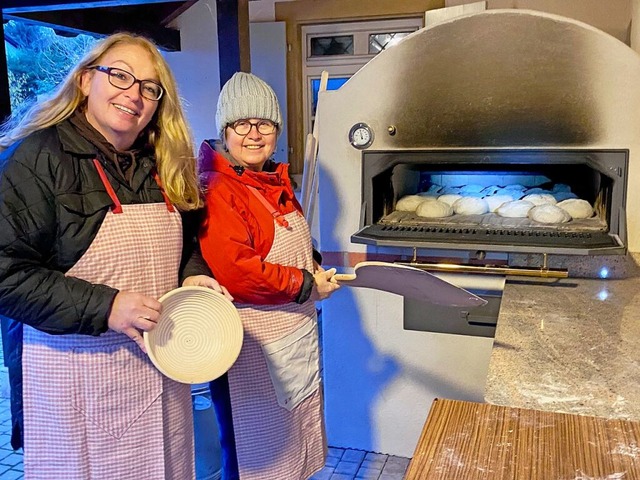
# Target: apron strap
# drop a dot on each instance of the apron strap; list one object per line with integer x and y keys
{"x": 164, "y": 195}
{"x": 277, "y": 216}
{"x": 117, "y": 206}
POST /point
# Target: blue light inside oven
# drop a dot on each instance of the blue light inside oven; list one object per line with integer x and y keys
{"x": 604, "y": 272}
{"x": 451, "y": 179}
{"x": 603, "y": 295}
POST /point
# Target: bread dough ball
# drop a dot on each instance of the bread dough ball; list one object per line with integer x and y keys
{"x": 561, "y": 195}
{"x": 531, "y": 191}
{"x": 427, "y": 197}
{"x": 467, "y": 189}
{"x": 577, "y": 208}
{"x": 516, "y": 187}
{"x": 495, "y": 201}
{"x": 470, "y": 206}
{"x": 435, "y": 209}
{"x": 490, "y": 190}
{"x": 548, "y": 213}
{"x": 516, "y": 194}
{"x": 409, "y": 203}
{"x": 434, "y": 190}
{"x": 449, "y": 198}
{"x": 561, "y": 187}
{"x": 515, "y": 209}
{"x": 540, "y": 198}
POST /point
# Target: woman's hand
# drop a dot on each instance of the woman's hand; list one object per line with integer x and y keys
{"x": 206, "y": 281}
{"x": 323, "y": 285}
{"x": 133, "y": 313}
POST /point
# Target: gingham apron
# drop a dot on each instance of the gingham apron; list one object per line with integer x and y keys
{"x": 96, "y": 407}
{"x": 272, "y": 442}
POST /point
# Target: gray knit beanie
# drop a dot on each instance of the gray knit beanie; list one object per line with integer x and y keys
{"x": 246, "y": 96}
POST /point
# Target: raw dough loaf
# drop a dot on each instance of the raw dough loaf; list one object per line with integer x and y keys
{"x": 515, "y": 209}
{"x": 471, "y": 188}
{"x": 409, "y": 203}
{"x": 495, "y": 201}
{"x": 531, "y": 191}
{"x": 433, "y": 190}
{"x": 548, "y": 213}
{"x": 516, "y": 194}
{"x": 470, "y": 206}
{"x": 450, "y": 198}
{"x": 435, "y": 209}
{"x": 561, "y": 187}
{"x": 560, "y": 196}
{"x": 490, "y": 190}
{"x": 516, "y": 187}
{"x": 577, "y": 208}
{"x": 540, "y": 198}
{"x": 427, "y": 197}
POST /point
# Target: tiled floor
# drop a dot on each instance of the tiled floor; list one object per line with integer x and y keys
{"x": 10, "y": 461}
{"x": 348, "y": 464}
{"x": 342, "y": 464}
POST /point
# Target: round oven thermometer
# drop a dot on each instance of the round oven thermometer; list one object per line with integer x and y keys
{"x": 361, "y": 136}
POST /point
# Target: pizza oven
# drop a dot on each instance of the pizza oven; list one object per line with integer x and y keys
{"x": 497, "y": 101}
{"x": 502, "y": 101}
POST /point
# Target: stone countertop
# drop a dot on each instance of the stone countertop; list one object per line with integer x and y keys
{"x": 570, "y": 345}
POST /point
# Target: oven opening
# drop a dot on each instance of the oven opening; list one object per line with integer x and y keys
{"x": 485, "y": 200}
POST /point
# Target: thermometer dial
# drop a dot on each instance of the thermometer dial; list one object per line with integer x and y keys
{"x": 361, "y": 136}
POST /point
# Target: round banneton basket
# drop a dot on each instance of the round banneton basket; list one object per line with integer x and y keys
{"x": 198, "y": 336}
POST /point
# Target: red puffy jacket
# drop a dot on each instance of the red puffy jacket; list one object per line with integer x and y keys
{"x": 238, "y": 230}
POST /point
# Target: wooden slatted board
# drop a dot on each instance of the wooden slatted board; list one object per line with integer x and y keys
{"x": 466, "y": 440}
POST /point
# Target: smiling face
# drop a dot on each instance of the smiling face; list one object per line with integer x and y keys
{"x": 251, "y": 150}
{"x": 120, "y": 115}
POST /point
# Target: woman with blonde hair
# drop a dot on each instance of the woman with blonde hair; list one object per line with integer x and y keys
{"x": 94, "y": 186}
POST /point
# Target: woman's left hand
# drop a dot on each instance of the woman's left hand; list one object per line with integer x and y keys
{"x": 206, "y": 281}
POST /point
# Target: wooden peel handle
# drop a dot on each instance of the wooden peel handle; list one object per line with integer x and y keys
{"x": 344, "y": 277}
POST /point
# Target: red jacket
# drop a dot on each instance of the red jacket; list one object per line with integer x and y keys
{"x": 238, "y": 230}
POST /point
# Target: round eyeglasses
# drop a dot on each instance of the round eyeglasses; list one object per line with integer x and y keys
{"x": 124, "y": 80}
{"x": 243, "y": 127}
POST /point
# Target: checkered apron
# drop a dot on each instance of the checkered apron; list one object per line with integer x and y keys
{"x": 272, "y": 442}
{"x": 95, "y": 408}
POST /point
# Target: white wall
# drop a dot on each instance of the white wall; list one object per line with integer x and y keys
{"x": 269, "y": 62}
{"x": 263, "y": 10}
{"x": 196, "y": 67}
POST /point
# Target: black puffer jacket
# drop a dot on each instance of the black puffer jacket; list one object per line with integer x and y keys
{"x": 52, "y": 203}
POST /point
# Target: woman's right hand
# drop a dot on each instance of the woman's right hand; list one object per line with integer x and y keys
{"x": 133, "y": 313}
{"x": 323, "y": 287}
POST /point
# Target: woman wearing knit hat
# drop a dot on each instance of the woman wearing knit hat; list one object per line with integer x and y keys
{"x": 257, "y": 243}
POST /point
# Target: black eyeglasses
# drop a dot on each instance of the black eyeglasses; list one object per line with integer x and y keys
{"x": 124, "y": 80}
{"x": 243, "y": 127}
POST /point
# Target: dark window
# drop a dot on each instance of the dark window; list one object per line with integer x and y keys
{"x": 333, "y": 45}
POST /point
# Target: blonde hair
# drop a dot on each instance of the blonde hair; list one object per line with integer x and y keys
{"x": 167, "y": 131}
